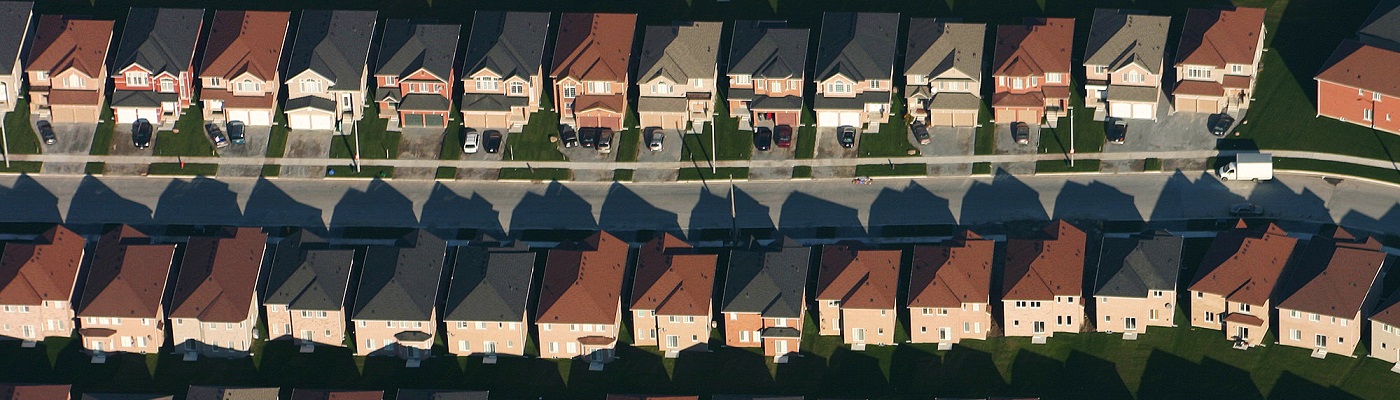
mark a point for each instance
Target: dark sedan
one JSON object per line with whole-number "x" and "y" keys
{"x": 493, "y": 141}
{"x": 46, "y": 132}
{"x": 142, "y": 133}
{"x": 763, "y": 139}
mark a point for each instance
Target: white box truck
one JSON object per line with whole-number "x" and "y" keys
{"x": 1249, "y": 167}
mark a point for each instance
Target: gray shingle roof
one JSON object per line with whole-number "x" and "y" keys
{"x": 319, "y": 103}
{"x": 859, "y": 46}
{"x": 1145, "y": 94}
{"x": 1131, "y": 266}
{"x": 1382, "y": 27}
{"x": 308, "y": 275}
{"x": 507, "y": 43}
{"x": 768, "y": 52}
{"x": 424, "y": 394}
{"x": 400, "y": 282}
{"x": 769, "y": 280}
{"x": 776, "y": 103}
{"x": 159, "y": 39}
{"x": 490, "y": 284}
{"x": 424, "y": 102}
{"x": 333, "y": 44}
{"x": 15, "y": 18}
{"x": 406, "y": 47}
{"x": 938, "y": 45}
{"x": 850, "y": 103}
{"x": 1119, "y": 37}
{"x": 140, "y": 98}
{"x": 955, "y": 101}
{"x": 491, "y": 102}
{"x": 230, "y": 393}
{"x": 680, "y": 52}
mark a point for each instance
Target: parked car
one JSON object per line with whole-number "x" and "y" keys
{"x": 1117, "y": 131}
{"x": 472, "y": 142}
{"x": 568, "y": 136}
{"x": 216, "y": 135}
{"x": 588, "y": 137}
{"x": 605, "y": 137}
{"x": 921, "y": 133}
{"x": 783, "y": 136}
{"x": 236, "y": 132}
{"x": 655, "y": 138}
{"x": 493, "y": 141}
{"x": 1021, "y": 132}
{"x": 1222, "y": 125}
{"x": 763, "y": 138}
{"x": 46, "y": 132}
{"x": 142, "y": 133}
{"x": 847, "y": 135}
{"x": 1246, "y": 210}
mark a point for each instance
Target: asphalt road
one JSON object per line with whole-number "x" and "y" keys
{"x": 685, "y": 205}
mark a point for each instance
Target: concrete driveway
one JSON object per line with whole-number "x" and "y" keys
{"x": 774, "y": 153}
{"x": 670, "y": 152}
{"x": 72, "y": 139}
{"x": 122, "y": 146}
{"x": 829, "y": 146}
{"x": 419, "y": 144}
{"x": 946, "y": 141}
{"x": 481, "y": 154}
{"x": 307, "y": 143}
{"x": 1006, "y": 144}
{"x": 255, "y": 146}
{"x": 592, "y": 155}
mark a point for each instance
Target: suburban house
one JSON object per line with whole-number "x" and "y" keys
{"x": 239, "y": 77}
{"x": 215, "y": 309}
{"x": 950, "y": 290}
{"x": 676, "y": 77}
{"x": 428, "y": 394}
{"x": 67, "y": 69}
{"x": 126, "y": 396}
{"x": 153, "y": 74}
{"x": 503, "y": 74}
{"x": 396, "y": 304}
{"x": 1382, "y": 27}
{"x": 943, "y": 71}
{"x": 856, "y": 294}
{"x": 37, "y": 285}
{"x": 767, "y": 72}
{"x": 1217, "y": 59}
{"x": 672, "y": 293}
{"x": 306, "y": 291}
{"x": 1123, "y": 63}
{"x": 1044, "y": 281}
{"x": 1136, "y": 282}
{"x": 765, "y": 297}
{"x": 1234, "y": 289}
{"x": 580, "y": 302}
{"x": 123, "y": 299}
{"x": 231, "y": 393}
{"x": 328, "y": 69}
{"x": 1385, "y": 330}
{"x": 313, "y": 394}
{"x": 1031, "y": 70}
{"x": 414, "y": 73}
{"x": 592, "y": 52}
{"x": 648, "y": 397}
{"x": 486, "y": 303}
{"x": 855, "y": 69}
{"x": 16, "y": 18}
{"x": 35, "y": 392}
{"x": 1337, "y": 278}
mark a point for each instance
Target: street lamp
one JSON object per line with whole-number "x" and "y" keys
{"x": 1071, "y": 136}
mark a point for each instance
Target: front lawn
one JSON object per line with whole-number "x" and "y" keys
{"x": 704, "y": 174}
{"x": 1333, "y": 167}
{"x": 1060, "y": 166}
{"x": 24, "y": 167}
{"x": 892, "y": 139}
{"x": 534, "y": 142}
{"x": 187, "y": 138}
{"x": 19, "y": 135}
{"x": 374, "y": 139}
{"x": 367, "y": 171}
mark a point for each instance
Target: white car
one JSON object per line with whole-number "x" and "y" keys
{"x": 472, "y": 143}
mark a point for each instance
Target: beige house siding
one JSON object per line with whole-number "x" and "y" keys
{"x": 36, "y": 322}
{"x": 375, "y": 336}
{"x": 1118, "y": 77}
{"x": 561, "y": 340}
{"x": 1110, "y": 312}
{"x": 1218, "y": 74}
{"x": 1385, "y": 342}
{"x": 1064, "y": 314}
{"x": 971, "y": 321}
{"x": 653, "y": 330}
{"x": 13, "y": 80}
{"x": 877, "y": 326}
{"x": 357, "y": 97}
{"x": 471, "y": 337}
{"x": 133, "y": 335}
{"x": 1341, "y": 335}
{"x": 283, "y": 324}
{"x": 1207, "y": 310}
{"x": 534, "y": 87}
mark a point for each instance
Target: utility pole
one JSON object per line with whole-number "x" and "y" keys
{"x": 355, "y": 131}
{"x": 1071, "y": 137}
{"x": 733, "y": 213}
{"x": 4, "y": 141}
{"x": 714, "y": 153}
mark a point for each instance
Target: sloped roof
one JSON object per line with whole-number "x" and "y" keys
{"x": 230, "y": 393}
{"x": 859, "y": 46}
{"x": 954, "y": 272}
{"x": 769, "y": 280}
{"x": 45, "y": 270}
{"x": 680, "y": 52}
{"x": 1038, "y": 46}
{"x": 649, "y": 397}
{"x": 334, "y": 44}
{"x": 428, "y": 394}
{"x": 245, "y": 42}
{"x": 128, "y": 275}
{"x": 1334, "y": 274}
{"x": 15, "y": 20}
{"x": 62, "y": 42}
{"x": 35, "y": 392}
{"x": 312, "y": 394}
{"x": 593, "y": 46}
{"x": 490, "y": 283}
{"x": 159, "y": 39}
{"x": 1123, "y": 37}
{"x": 511, "y": 44}
{"x": 860, "y": 278}
{"x": 1219, "y": 37}
{"x": 583, "y": 281}
{"x": 1045, "y": 267}
{"x": 126, "y": 396}
{"x": 937, "y": 45}
{"x": 140, "y": 98}
{"x": 491, "y": 102}
{"x": 400, "y": 282}
{"x": 763, "y": 51}
{"x": 1383, "y": 24}
{"x": 1133, "y": 266}
{"x": 1364, "y": 67}
{"x": 307, "y": 274}
{"x": 1244, "y": 264}
{"x": 672, "y": 279}
{"x": 406, "y": 47}
{"x": 219, "y": 275}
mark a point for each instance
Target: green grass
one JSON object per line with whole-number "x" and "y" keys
{"x": 628, "y": 141}
{"x": 802, "y": 171}
{"x": 368, "y": 171}
{"x": 892, "y": 139}
{"x": 452, "y": 136}
{"x": 1152, "y": 164}
{"x": 375, "y": 140}
{"x": 1089, "y": 136}
{"x": 1333, "y": 167}
{"x": 271, "y": 170}
{"x": 694, "y": 174}
{"x": 26, "y": 167}
{"x": 730, "y": 144}
{"x": 806, "y": 143}
{"x": 623, "y": 175}
{"x": 190, "y": 141}
{"x": 277, "y": 138}
{"x": 536, "y": 174}
{"x": 19, "y": 135}
{"x": 981, "y": 168}
{"x": 985, "y": 140}
{"x": 189, "y": 169}
{"x": 102, "y": 139}
{"x": 95, "y": 168}
{"x": 1058, "y": 166}
{"x": 892, "y": 170}
{"x": 533, "y": 143}
{"x": 446, "y": 173}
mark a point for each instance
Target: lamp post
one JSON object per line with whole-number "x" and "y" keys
{"x": 1071, "y": 137}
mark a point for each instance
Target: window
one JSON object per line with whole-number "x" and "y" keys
{"x": 688, "y": 320}
{"x": 1100, "y": 69}
{"x": 743, "y": 336}
{"x": 1344, "y": 322}
{"x": 1103, "y": 300}
{"x": 1200, "y": 294}
{"x": 369, "y": 344}
{"x": 5, "y": 95}
{"x": 488, "y": 83}
{"x": 781, "y": 322}
{"x": 739, "y": 79}
{"x": 601, "y": 328}
{"x": 42, "y": 75}
{"x": 1376, "y": 96}
{"x": 571, "y": 347}
{"x": 1038, "y": 327}
{"x": 927, "y": 311}
{"x": 144, "y": 322}
{"x": 1018, "y": 84}
{"x": 1313, "y": 317}
{"x": 1059, "y": 320}
{"x": 976, "y": 307}
{"x": 1107, "y": 318}
{"x": 1236, "y": 68}
{"x": 587, "y": 328}
{"x": 1198, "y": 72}
{"x": 661, "y": 88}
{"x": 775, "y": 86}
{"x": 544, "y": 327}
{"x": 838, "y": 87}
{"x": 1152, "y": 314}
{"x": 321, "y": 314}
{"x": 1367, "y": 114}
{"x": 74, "y": 81}
{"x": 388, "y": 80}
{"x": 1134, "y": 77}
{"x": 570, "y": 91}
{"x": 167, "y": 85}
{"x": 311, "y": 85}
{"x": 596, "y": 87}
{"x": 137, "y": 78}
{"x": 573, "y": 327}
{"x": 792, "y": 84}
{"x": 360, "y": 323}
{"x": 1293, "y": 313}
{"x": 1385, "y": 328}
{"x": 1035, "y": 80}
{"x": 1210, "y": 316}
{"x": 1157, "y": 293}
{"x": 1020, "y": 304}
{"x": 247, "y": 85}
{"x": 733, "y": 316}
{"x": 874, "y": 84}
{"x": 480, "y": 325}
{"x": 517, "y": 88}
{"x": 1069, "y": 320}
{"x": 942, "y": 311}
{"x": 697, "y": 83}
{"x": 967, "y": 327}
{"x": 1052, "y": 77}
{"x": 464, "y": 346}
{"x": 1244, "y": 308}
{"x": 553, "y": 347}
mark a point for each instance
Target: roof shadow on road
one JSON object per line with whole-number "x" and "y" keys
{"x": 1280, "y": 201}
{"x": 1355, "y": 219}
{"x": 711, "y": 211}
{"x": 749, "y": 213}
{"x": 624, "y": 210}
{"x": 1095, "y": 200}
{"x": 447, "y": 208}
{"x": 556, "y": 208}
{"x": 94, "y": 202}
{"x": 268, "y": 205}
{"x": 1183, "y": 198}
{"x": 831, "y": 220}
{"x": 29, "y": 201}
{"x": 914, "y": 205}
{"x": 1006, "y": 198}
{"x": 379, "y": 204}
{"x": 199, "y": 201}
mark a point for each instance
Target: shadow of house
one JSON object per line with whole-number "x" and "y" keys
{"x": 914, "y": 205}
{"x": 380, "y": 204}
{"x": 200, "y": 201}
{"x": 95, "y": 203}
{"x": 1292, "y": 386}
{"x": 556, "y": 208}
{"x": 1095, "y": 201}
{"x": 914, "y": 370}
{"x": 853, "y": 373}
{"x": 1358, "y": 220}
{"x": 1283, "y": 203}
{"x": 446, "y": 208}
{"x": 268, "y": 205}
{"x": 750, "y": 214}
{"x": 734, "y": 370}
{"x": 624, "y": 210}
{"x": 1303, "y": 48}
{"x": 1165, "y": 375}
{"x": 28, "y": 201}
{"x": 804, "y": 211}
{"x": 711, "y": 211}
{"x": 1171, "y": 203}
{"x": 1033, "y": 374}
{"x": 1006, "y": 198}
{"x": 1090, "y": 377}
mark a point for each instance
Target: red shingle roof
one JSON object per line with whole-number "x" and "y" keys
{"x": 1038, "y": 46}
{"x": 61, "y": 43}
{"x": 309, "y": 394}
{"x": 35, "y": 392}
{"x": 583, "y": 281}
{"x": 950, "y": 274}
{"x": 31, "y": 273}
{"x": 245, "y": 41}
{"x": 1219, "y": 37}
{"x": 128, "y": 276}
{"x": 594, "y": 46}
{"x": 859, "y": 278}
{"x": 1040, "y": 269}
{"x": 1244, "y": 264}
{"x": 1336, "y": 274}
{"x": 672, "y": 279}
{"x": 219, "y": 275}
{"x": 1363, "y": 67}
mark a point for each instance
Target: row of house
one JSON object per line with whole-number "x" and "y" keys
{"x": 64, "y": 392}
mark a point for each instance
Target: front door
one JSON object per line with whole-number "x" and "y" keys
{"x": 490, "y": 348}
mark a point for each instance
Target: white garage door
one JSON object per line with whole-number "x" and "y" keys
{"x": 1120, "y": 110}
{"x": 259, "y": 118}
{"x": 299, "y": 121}
{"x": 150, "y": 114}
{"x": 850, "y": 118}
{"x": 322, "y": 122}
{"x": 236, "y": 115}
{"x": 126, "y": 115}
{"x": 1143, "y": 111}
{"x": 828, "y": 118}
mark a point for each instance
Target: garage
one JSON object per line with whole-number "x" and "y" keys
{"x": 838, "y": 118}
{"x": 1028, "y": 116}
{"x": 236, "y": 115}
{"x": 1120, "y": 110}
{"x": 412, "y": 120}
{"x": 664, "y": 120}
{"x": 434, "y": 120}
{"x": 74, "y": 114}
{"x": 484, "y": 120}
{"x": 599, "y": 121}
{"x": 952, "y": 117}
{"x": 1191, "y": 104}
{"x": 1143, "y": 111}
{"x": 258, "y": 118}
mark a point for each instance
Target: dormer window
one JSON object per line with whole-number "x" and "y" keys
{"x": 74, "y": 81}
{"x": 391, "y": 80}
{"x": 661, "y": 88}
{"x": 874, "y": 84}
{"x": 489, "y": 83}
{"x": 838, "y": 87}
{"x": 1133, "y": 77}
{"x": 216, "y": 82}
{"x": 1237, "y": 68}
{"x": 739, "y": 79}
{"x": 248, "y": 85}
{"x": 597, "y": 87}
{"x": 697, "y": 83}
{"x": 1052, "y": 77}
{"x": 137, "y": 78}
{"x": 517, "y": 89}
{"x": 167, "y": 85}
{"x": 570, "y": 91}
{"x": 41, "y": 75}
{"x": 1100, "y": 69}
{"x": 1198, "y": 72}
{"x": 311, "y": 86}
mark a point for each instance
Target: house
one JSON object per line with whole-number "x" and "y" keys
{"x": 1217, "y": 59}
{"x": 239, "y": 76}
{"x": 16, "y": 19}
{"x": 396, "y": 304}
{"x": 767, "y": 73}
{"x": 1357, "y": 85}
{"x": 647, "y": 397}
{"x": 312, "y": 394}
{"x": 35, "y": 392}
{"x": 414, "y": 73}
{"x": 214, "y": 309}
{"x": 126, "y": 396}
{"x": 1136, "y": 282}
{"x": 306, "y": 291}
{"x": 67, "y": 69}
{"x": 1234, "y": 289}
{"x": 153, "y": 73}
{"x": 855, "y": 69}
{"x": 592, "y": 52}
{"x": 427, "y": 394}
{"x": 503, "y": 74}
{"x": 1123, "y": 63}
{"x": 231, "y": 393}
{"x": 1031, "y": 69}
{"x": 856, "y": 290}
{"x": 1382, "y": 27}
{"x": 950, "y": 290}
{"x": 38, "y": 283}
{"x": 676, "y": 79}
{"x": 486, "y": 303}
{"x": 580, "y": 302}
{"x": 765, "y": 297}
{"x": 672, "y": 294}
{"x": 328, "y": 69}
{"x": 1337, "y": 278}
{"x": 943, "y": 71}
{"x": 1044, "y": 280}
{"x": 123, "y": 307}
{"x": 1385, "y": 330}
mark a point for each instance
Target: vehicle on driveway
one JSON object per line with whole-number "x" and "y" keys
{"x": 605, "y": 137}
{"x": 216, "y": 135}
{"x": 46, "y": 132}
{"x": 655, "y": 138}
{"x": 142, "y": 133}
{"x": 588, "y": 137}
{"x": 846, "y": 134}
{"x": 493, "y": 141}
{"x": 921, "y": 133}
{"x": 1246, "y": 210}
{"x": 568, "y": 136}
{"x": 472, "y": 142}
{"x": 1222, "y": 125}
{"x": 762, "y": 138}
{"x": 1021, "y": 132}
{"x": 783, "y": 136}
{"x": 1117, "y": 131}
{"x": 236, "y": 132}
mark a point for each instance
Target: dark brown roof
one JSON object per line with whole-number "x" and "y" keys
{"x": 672, "y": 279}
{"x": 955, "y": 272}
{"x": 860, "y": 278}
{"x": 583, "y": 281}
{"x": 1038, "y": 46}
{"x": 1334, "y": 274}
{"x": 1244, "y": 264}
{"x": 1041, "y": 268}
{"x": 1363, "y": 67}
{"x": 1218, "y": 37}
{"x": 594, "y": 46}
{"x": 61, "y": 43}
{"x": 1241, "y": 318}
{"x": 311, "y": 394}
{"x": 45, "y": 270}
{"x": 128, "y": 275}
{"x": 266, "y": 101}
{"x": 245, "y": 41}
{"x": 74, "y": 97}
{"x": 35, "y": 392}
{"x": 219, "y": 276}
{"x": 1202, "y": 88}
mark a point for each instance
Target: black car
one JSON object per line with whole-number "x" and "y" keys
{"x": 1222, "y": 125}
{"x": 142, "y": 133}
{"x": 1021, "y": 132}
{"x": 1117, "y": 132}
{"x": 920, "y": 133}
{"x": 588, "y": 137}
{"x": 46, "y": 132}
{"x": 763, "y": 139}
{"x": 216, "y": 135}
{"x": 568, "y": 136}
{"x": 493, "y": 141}
{"x": 783, "y": 137}
{"x": 235, "y": 132}
{"x": 847, "y": 136}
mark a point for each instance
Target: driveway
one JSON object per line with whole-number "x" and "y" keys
{"x": 670, "y": 152}
{"x": 72, "y": 139}
{"x": 1006, "y": 144}
{"x": 829, "y": 146}
{"x": 481, "y": 154}
{"x": 122, "y": 146}
{"x": 946, "y": 141}
{"x": 419, "y": 144}
{"x": 256, "y": 146}
{"x": 1170, "y": 132}
{"x": 582, "y": 154}
{"x": 307, "y": 143}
